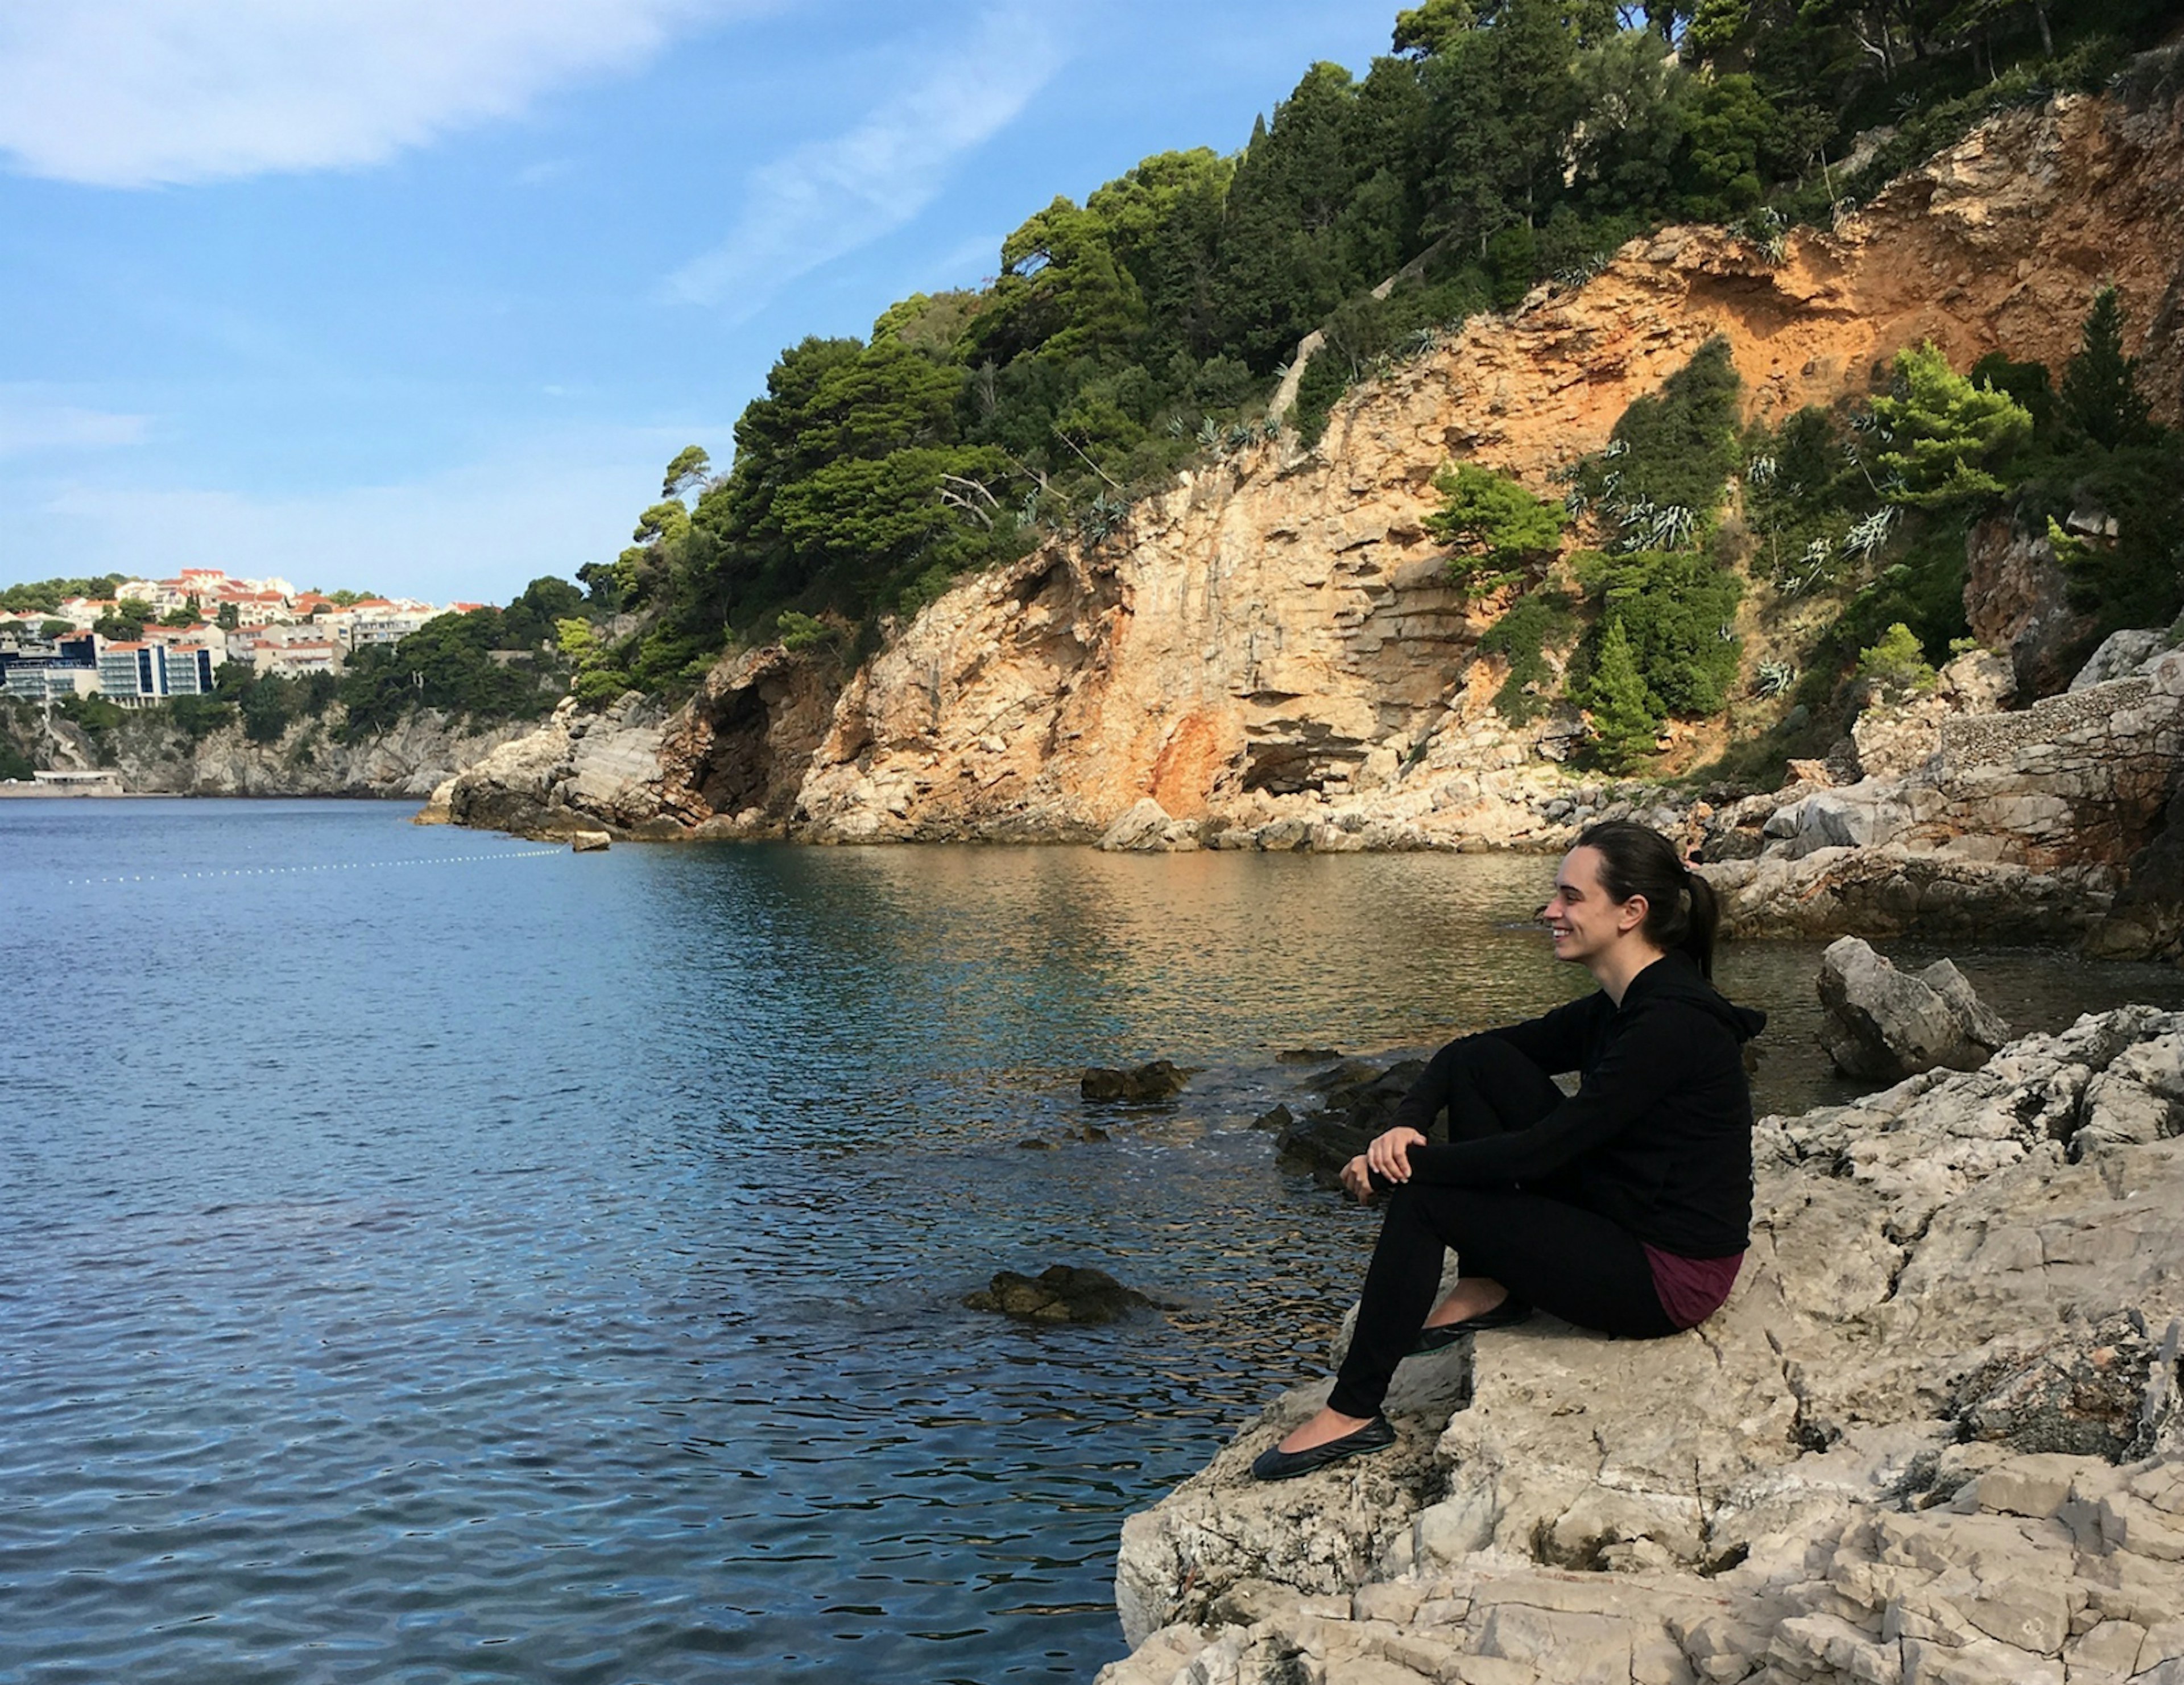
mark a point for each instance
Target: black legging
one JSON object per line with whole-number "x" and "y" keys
{"x": 1569, "y": 1262}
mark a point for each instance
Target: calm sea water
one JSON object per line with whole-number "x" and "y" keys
{"x": 430, "y": 1257}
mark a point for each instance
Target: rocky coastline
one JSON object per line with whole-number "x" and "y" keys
{"x": 148, "y": 755}
{"x": 1270, "y": 654}
{"x": 1934, "y": 1435}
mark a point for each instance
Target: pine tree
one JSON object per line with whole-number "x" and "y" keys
{"x": 2100, "y": 397}
{"x": 1944, "y": 434}
{"x": 1623, "y": 719}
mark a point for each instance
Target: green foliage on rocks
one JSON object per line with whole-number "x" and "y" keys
{"x": 1499, "y": 530}
{"x": 1944, "y": 440}
{"x": 1501, "y": 144}
{"x": 1526, "y": 630}
{"x": 1895, "y": 667}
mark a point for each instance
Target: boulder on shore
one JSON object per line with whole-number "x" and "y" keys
{"x": 1887, "y": 1025}
{"x": 1357, "y": 1101}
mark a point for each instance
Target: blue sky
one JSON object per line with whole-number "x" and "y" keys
{"x": 420, "y": 296}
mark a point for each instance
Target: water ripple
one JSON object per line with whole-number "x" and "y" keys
{"x": 553, "y": 1271}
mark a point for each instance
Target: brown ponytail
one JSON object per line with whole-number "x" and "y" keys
{"x": 1681, "y": 912}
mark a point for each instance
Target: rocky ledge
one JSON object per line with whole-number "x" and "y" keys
{"x": 1933, "y": 1437}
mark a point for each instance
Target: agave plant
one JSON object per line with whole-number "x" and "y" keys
{"x": 1239, "y": 435}
{"x": 1575, "y": 502}
{"x": 1808, "y": 572}
{"x": 1760, "y": 471}
{"x": 1765, "y": 230}
{"x": 1774, "y": 678}
{"x": 1420, "y": 341}
{"x": 1103, "y": 516}
{"x": 1209, "y": 433}
{"x": 1576, "y": 275}
{"x": 1027, "y": 511}
{"x": 1617, "y": 446}
{"x": 1176, "y": 426}
{"x": 1672, "y": 527}
{"x": 1865, "y": 539}
{"x": 1270, "y": 429}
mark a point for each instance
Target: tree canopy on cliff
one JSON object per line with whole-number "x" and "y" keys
{"x": 1500, "y": 143}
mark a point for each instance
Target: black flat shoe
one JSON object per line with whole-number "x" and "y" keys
{"x": 1279, "y": 1465}
{"x": 1508, "y": 1314}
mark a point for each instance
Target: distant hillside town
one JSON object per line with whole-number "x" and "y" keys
{"x": 154, "y": 640}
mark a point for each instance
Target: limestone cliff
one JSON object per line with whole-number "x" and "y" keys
{"x": 154, "y": 757}
{"x": 1269, "y": 652}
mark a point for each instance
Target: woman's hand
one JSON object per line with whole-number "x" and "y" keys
{"x": 1390, "y": 1154}
{"x": 1357, "y": 1180}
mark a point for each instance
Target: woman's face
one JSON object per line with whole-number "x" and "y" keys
{"x": 1581, "y": 916}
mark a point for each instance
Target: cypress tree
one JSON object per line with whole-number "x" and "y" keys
{"x": 2100, "y": 396}
{"x": 1623, "y": 719}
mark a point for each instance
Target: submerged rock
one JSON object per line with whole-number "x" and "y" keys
{"x": 1887, "y": 1024}
{"x": 1139, "y": 1085}
{"x": 1357, "y": 1101}
{"x": 1060, "y": 1292}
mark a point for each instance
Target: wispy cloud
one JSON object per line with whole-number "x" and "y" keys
{"x": 131, "y": 93}
{"x": 30, "y": 420}
{"x": 826, "y": 199}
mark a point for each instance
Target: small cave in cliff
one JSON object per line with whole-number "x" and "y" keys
{"x": 739, "y": 771}
{"x": 1311, "y": 761}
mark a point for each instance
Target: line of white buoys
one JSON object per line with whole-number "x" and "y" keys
{"x": 331, "y": 866}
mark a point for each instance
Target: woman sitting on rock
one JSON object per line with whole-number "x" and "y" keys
{"x": 1623, "y": 1208}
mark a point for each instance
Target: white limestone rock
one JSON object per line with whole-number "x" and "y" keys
{"x": 1887, "y": 1025}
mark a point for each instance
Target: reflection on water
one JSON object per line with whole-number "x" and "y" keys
{"x": 433, "y": 1259}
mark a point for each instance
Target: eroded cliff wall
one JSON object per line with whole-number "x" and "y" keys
{"x": 1270, "y": 649}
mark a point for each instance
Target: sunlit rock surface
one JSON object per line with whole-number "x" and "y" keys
{"x": 1934, "y": 1435}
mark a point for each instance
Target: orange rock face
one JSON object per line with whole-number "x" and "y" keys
{"x": 1275, "y": 637}
{"x": 1273, "y": 648}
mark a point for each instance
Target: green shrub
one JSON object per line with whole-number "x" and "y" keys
{"x": 1676, "y": 611}
{"x": 1626, "y": 725}
{"x": 2100, "y": 399}
{"x": 801, "y": 632}
{"x": 1522, "y": 635}
{"x": 1499, "y": 528}
{"x": 1895, "y": 667}
{"x": 1676, "y": 448}
{"x": 1942, "y": 437}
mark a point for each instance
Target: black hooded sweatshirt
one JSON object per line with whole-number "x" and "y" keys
{"x": 1658, "y": 1136}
